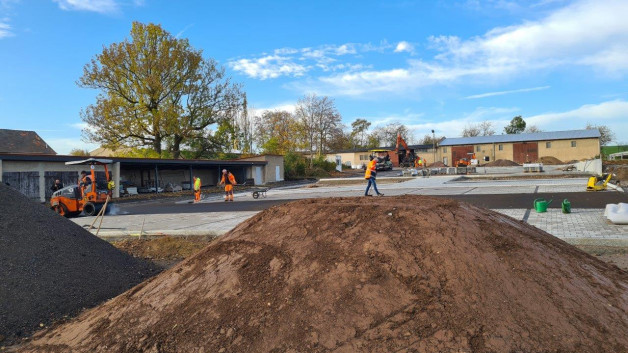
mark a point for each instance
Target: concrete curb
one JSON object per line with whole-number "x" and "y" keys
{"x": 114, "y": 235}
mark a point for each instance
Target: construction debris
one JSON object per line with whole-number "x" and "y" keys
{"x": 51, "y": 268}
{"x": 411, "y": 273}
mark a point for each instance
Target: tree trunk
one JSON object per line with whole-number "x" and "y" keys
{"x": 157, "y": 144}
{"x": 176, "y": 146}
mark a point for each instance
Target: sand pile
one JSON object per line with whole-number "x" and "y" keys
{"x": 51, "y": 268}
{"x": 549, "y": 160}
{"x": 409, "y": 273}
{"x": 501, "y": 163}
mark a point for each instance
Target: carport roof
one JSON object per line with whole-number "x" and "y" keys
{"x": 134, "y": 162}
{"x": 536, "y": 136}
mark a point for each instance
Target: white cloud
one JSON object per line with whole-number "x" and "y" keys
{"x": 404, "y": 46}
{"x": 271, "y": 66}
{"x": 289, "y": 107}
{"x": 590, "y": 33}
{"x": 5, "y": 29}
{"x": 606, "y": 113}
{"x": 501, "y": 93}
{"x": 296, "y": 62}
{"x": 100, "y": 6}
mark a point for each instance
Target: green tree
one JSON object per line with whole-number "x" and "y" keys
{"x": 282, "y": 128}
{"x": 154, "y": 88}
{"x": 517, "y": 125}
{"x": 359, "y": 132}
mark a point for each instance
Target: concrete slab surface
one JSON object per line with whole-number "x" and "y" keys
{"x": 511, "y": 197}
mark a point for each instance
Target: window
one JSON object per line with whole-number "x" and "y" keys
{"x": 445, "y": 151}
{"x": 364, "y": 157}
{"x": 501, "y": 147}
{"x": 573, "y": 143}
{"x": 548, "y": 145}
{"x": 477, "y": 148}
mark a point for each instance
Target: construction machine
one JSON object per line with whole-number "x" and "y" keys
{"x": 406, "y": 156}
{"x": 383, "y": 159}
{"x": 88, "y": 196}
{"x": 597, "y": 183}
{"x": 466, "y": 162}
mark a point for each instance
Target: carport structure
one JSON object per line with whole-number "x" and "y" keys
{"x": 33, "y": 174}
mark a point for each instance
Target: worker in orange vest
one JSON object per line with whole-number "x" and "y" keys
{"x": 229, "y": 180}
{"x": 370, "y": 175}
{"x": 197, "y": 189}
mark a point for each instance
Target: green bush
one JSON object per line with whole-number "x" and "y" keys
{"x": 322, "y": 163}
{"x": 294, "y": 166}
{"x": 297, "y": 166}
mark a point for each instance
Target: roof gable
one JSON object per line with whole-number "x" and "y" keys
{"x": 19, "y": 141}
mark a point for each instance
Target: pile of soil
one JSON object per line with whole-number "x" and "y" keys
{"x": 408, "y": 273}
{"x": 549, "y": 160}
{"x": 501, "y": 163}
{"x": 51, "y": 268}
{"x": 163, "y": 247}
{"x": 437, "y": 164}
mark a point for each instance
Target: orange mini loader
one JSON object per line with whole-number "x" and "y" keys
{"x": 83, "y": 197}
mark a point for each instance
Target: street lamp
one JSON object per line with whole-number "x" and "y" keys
{"x": 434, "y": 145}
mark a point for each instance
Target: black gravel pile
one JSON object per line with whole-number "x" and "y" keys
{"x": 51, "y": 268}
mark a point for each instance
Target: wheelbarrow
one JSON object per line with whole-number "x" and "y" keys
{"x": 259, "y": 192}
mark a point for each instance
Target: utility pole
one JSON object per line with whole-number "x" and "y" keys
{"x": 434, "y": 145}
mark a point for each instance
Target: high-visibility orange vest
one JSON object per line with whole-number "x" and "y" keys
{"x": 372, "y": 166}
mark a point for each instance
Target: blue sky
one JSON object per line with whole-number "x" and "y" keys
{"x": 427, "y": 64}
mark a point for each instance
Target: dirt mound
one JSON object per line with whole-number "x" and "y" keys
{"x": 437, "y": 164}
{"x": 51, "y": 268}
{"x": 549, "y": 160}
{"x": 409, "y": 273}
{"x": 501, "y": 163}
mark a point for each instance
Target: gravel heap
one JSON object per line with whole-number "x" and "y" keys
{"x": 391, "y": 274}
{"x": 52, "y": 268}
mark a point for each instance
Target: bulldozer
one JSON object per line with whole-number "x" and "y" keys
{"x": 87, "y": 198}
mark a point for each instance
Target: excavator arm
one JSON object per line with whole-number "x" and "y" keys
{"x": 401, "y": 141}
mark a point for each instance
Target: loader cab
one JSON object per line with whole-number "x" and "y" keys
{"x": 383, "y": 159}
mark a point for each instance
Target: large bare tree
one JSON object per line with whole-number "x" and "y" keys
{"x": 319, "y": 118}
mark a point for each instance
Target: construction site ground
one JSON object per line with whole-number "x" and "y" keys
{"x": 513, "y": 197}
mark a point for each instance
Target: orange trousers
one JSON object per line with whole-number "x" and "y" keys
{"x": 197, "y": 195}
{"x": 229, "y": 192}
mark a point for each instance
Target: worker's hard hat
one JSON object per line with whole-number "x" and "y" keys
{"x": 224, "y": 170}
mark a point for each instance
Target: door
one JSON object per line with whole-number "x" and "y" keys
{"x": 525, "y": 152}
{"x": 278, "y": 173}
{"x": 25, "y": 182}
{"x": 460, "y": 152}
{"x": 445, "y": 161}
{"x": 258, "y": 176}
